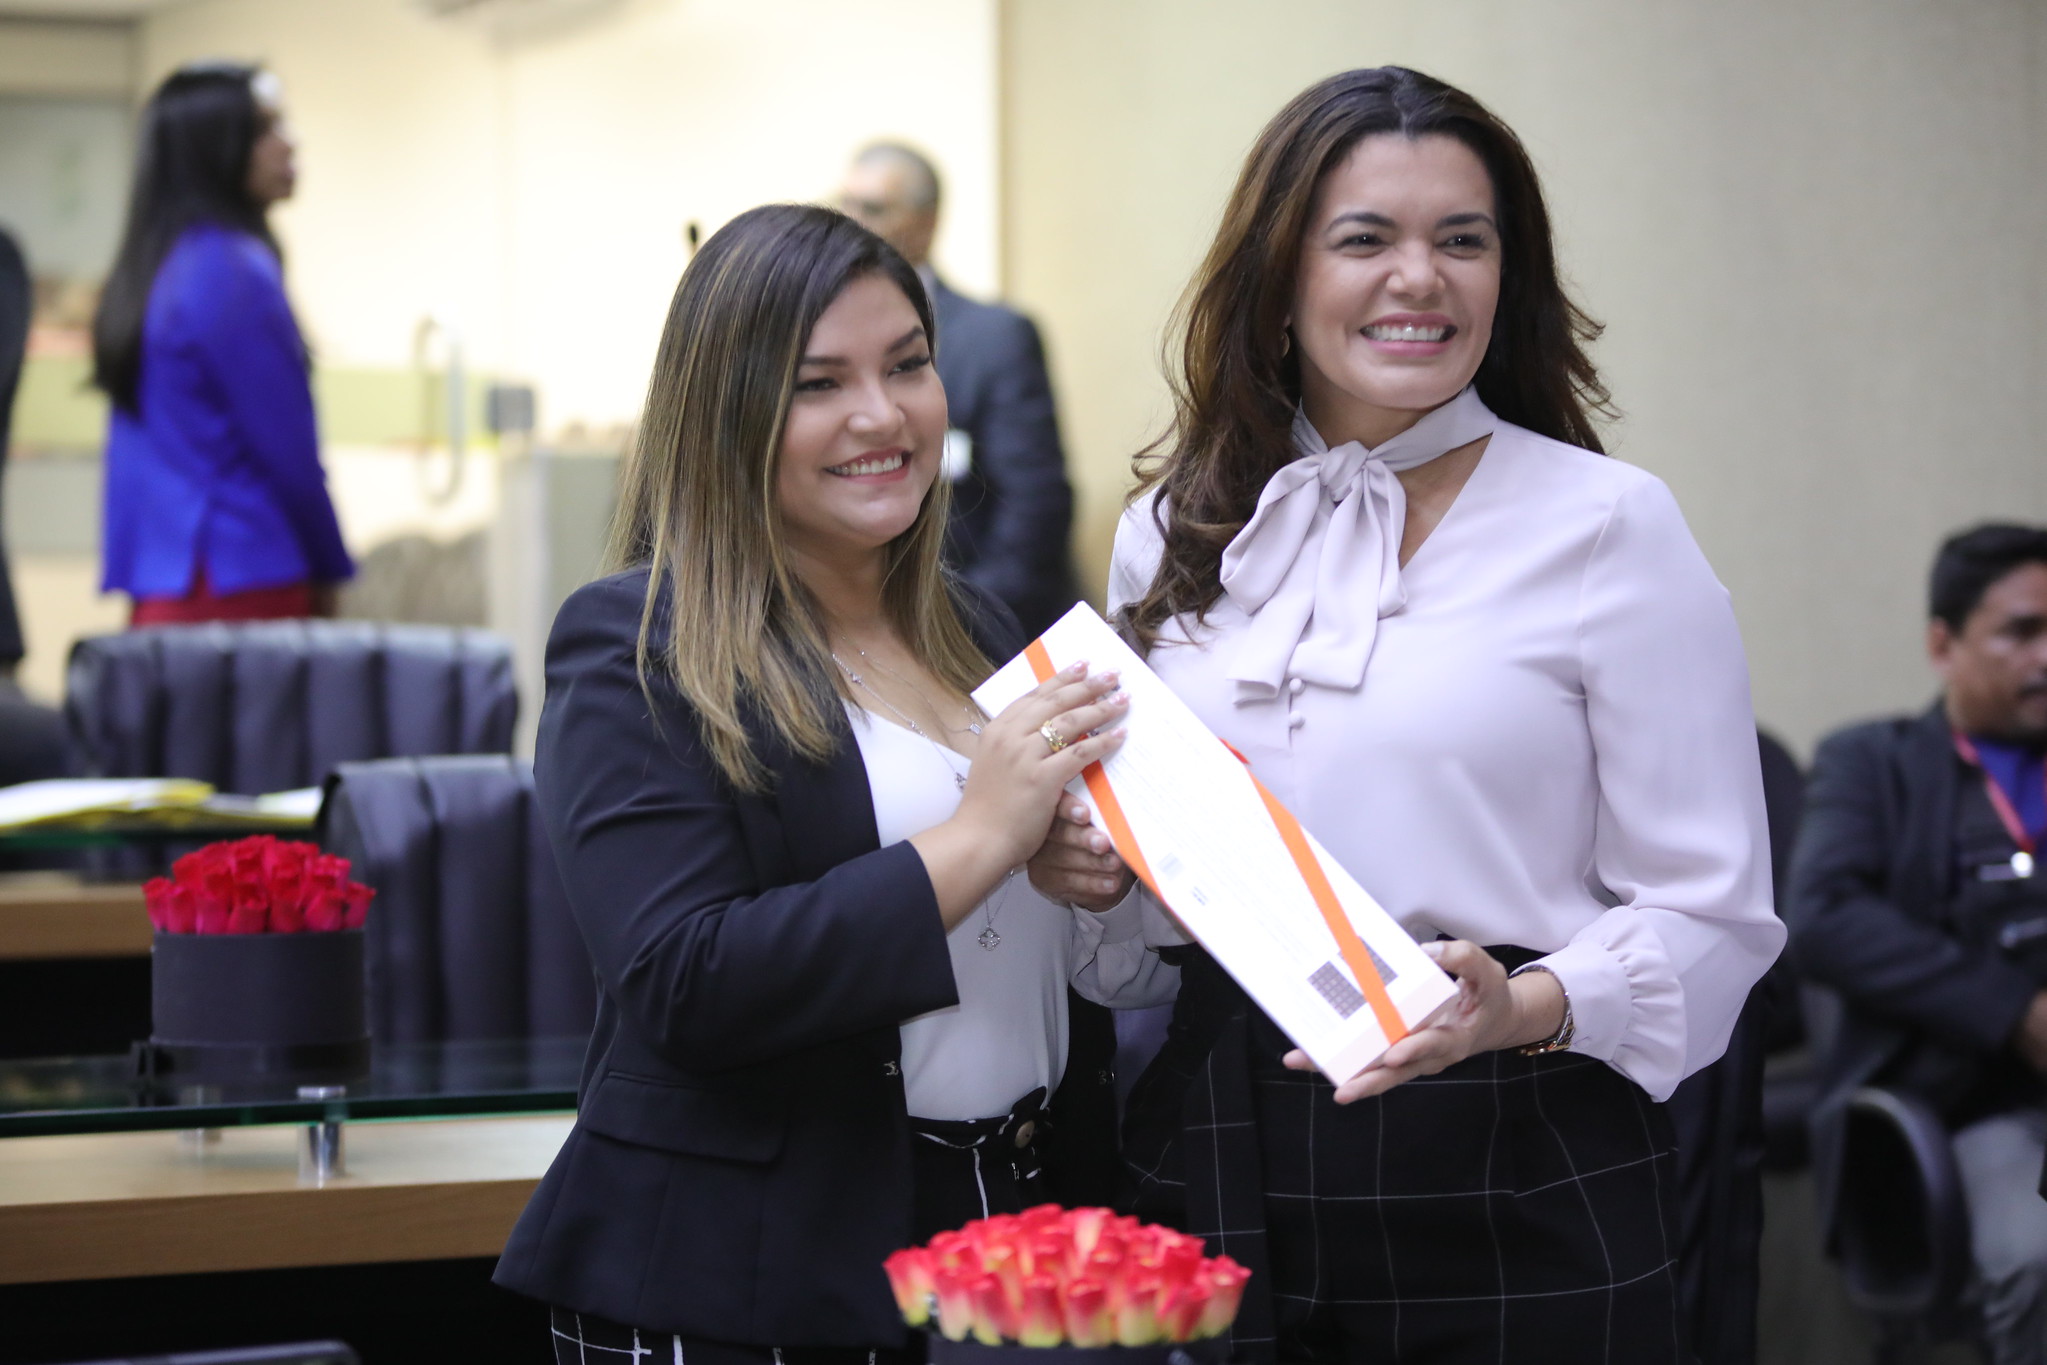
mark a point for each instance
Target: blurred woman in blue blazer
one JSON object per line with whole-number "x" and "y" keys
{"x": 216, "y": 502}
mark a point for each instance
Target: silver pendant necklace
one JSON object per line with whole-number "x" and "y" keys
{"x": 959, "y": 778}
{"x": 973, "y": 726}
{"x": 988, "y": 938}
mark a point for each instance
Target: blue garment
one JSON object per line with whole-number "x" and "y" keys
{"x": 221, "y": 469}
{"x": 2022, "y": 773}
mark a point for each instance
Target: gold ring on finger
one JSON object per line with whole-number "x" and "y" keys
{"x": 1053, "y": 739}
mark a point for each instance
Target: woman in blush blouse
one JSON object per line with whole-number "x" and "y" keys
{"x": 828, "y": 1013}
{"x": 216, "y": 502}
{"x": 1381, "y": 554}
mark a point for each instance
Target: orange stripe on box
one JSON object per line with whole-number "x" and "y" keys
{"x": 1290, "y": 833}
{"x": 1099, "y": 788}
{"x": 1353, "y": 948}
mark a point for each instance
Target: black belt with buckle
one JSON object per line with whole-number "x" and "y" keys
{"x": 1016, "y": 1138}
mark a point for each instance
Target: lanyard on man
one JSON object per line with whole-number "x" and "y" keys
{"x": 2022, "y": 861}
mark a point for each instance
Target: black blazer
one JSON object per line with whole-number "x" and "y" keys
{"x": 1012, "y": 514}
{"x": 1870, "y": 884}
{"x": 740, "y": 1163}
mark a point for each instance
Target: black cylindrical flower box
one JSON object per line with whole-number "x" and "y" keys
{"x": 237, "y": 1009}
{"x": 941, "y": 1351}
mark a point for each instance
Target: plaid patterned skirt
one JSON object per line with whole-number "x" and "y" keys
{"x": 1509, "y": 1209}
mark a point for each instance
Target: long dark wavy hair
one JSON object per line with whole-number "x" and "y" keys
{"x": 743, "y": 636}
{"x": 1234, "y": 387}
{"x": 191, "y": 167}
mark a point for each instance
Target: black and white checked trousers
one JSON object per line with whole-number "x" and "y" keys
{"x": 1511, "y": 1209}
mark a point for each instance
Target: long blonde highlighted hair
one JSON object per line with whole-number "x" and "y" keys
{"x": 746, "y": 642}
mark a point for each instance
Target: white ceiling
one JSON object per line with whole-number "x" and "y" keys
{"x": 80, "y": 9}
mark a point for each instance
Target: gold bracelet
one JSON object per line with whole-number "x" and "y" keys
{"x": 1560, "y": 1041}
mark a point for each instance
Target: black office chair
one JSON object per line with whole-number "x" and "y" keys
{"x": 271, "y": 705}
{"x": 470, "y": 935}
{"x": 1902, "y": 1226}
{"x": 1722, "y": 1137}
{"x": 1790, "y": 1078}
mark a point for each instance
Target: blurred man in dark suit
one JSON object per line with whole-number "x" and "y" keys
{"x": 1012, "y": 508}
{"x": 17, "y": 302}
{"x": 1916, "y": 893}
{"x": 31, "y": 736}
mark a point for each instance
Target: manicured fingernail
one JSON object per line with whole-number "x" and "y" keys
{"x": 1076, "y": 669}
{"x": 1120, "y": 699}
{"x": 1078, "y": 812}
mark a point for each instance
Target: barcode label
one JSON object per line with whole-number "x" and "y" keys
{"x": 1170, "y": 869}
{"x": 1341, "y": 995}
{"x": 1331, "y": 984}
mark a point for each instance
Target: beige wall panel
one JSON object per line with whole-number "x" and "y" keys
{"x": 1813, "y": 231}
{"x": 400, "y": 160}
{"x": 533, "y": 187}
{"x": 65, "y": 58}
{"x": 700, "y": 110}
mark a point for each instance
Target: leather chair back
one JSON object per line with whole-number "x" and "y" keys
{"x": 1903, "y": 1228}
{"x": 470, "y": 935}
{"x": 1722, "y": 1139}
{"x": 271, "y": 705}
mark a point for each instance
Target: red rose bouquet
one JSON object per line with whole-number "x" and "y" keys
{"x": 1066, "y": 1277}
{"x": 256, "y": 886}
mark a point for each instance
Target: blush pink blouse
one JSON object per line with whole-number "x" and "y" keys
{"x": 1549, "y": 742}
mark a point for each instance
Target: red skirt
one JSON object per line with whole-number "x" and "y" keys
{"x": 203, "y": 604}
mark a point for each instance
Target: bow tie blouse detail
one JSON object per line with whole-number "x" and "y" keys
{"x": 1318, "y": 563}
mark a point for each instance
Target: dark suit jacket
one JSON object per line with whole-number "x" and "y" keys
{"x": 1870, "y": 885}
{"x": 16, "y": 306}
{"x": 740, "y": 1164}
{"x": 1012, "y": 515}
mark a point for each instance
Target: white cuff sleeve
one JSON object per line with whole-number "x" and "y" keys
{"x": 1114, "y": 959}
{"x": 1627, "y": 1005}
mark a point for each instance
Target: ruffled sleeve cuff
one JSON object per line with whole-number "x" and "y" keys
{"x": 1627, "y": 1007}
{"x": 1161, "y": 930}
{"x": 1115, "y": 957}
{"x": 1120, "y": 923}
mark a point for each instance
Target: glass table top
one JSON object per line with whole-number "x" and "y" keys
{"x": 50, "y": 1095}
{"x": 117, "y": 833}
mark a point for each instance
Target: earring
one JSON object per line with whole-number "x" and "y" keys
{"x": 1286, "y": 341}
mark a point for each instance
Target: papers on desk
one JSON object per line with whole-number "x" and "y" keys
{"x": 129, "y": 802}
{"x": 1298, "y": 933}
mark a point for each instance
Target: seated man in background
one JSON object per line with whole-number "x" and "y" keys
{"x": 1915, "y": 894}
{"x": 1012, "y": 509}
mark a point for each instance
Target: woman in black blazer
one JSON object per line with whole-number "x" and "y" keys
{"x": 797, "y": 894}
